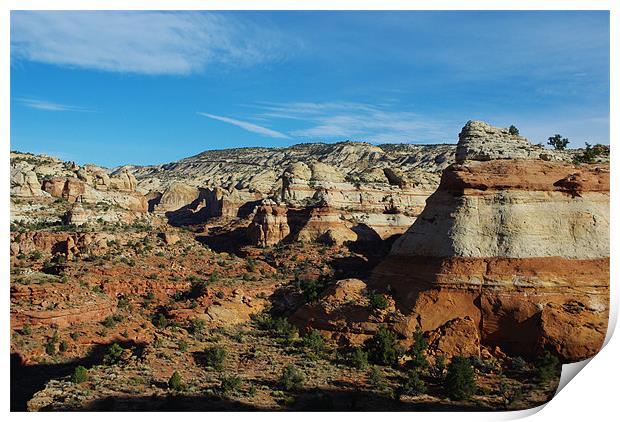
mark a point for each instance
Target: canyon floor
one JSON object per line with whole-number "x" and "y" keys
{"x": 148, "y": 297}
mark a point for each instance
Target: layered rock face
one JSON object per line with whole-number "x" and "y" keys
{"x": 325, "y": 225}
{"x": 383, "y": 188}
{"x": 269, "y": 226}
{"x": 519, "y": 247}
{"x": 38, "y": 181}
{"x": 177, "y": 196}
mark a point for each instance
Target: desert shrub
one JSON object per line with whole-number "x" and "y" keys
{"x": 26, "y": 330}
{"x": 547, "y": 368}
{"x": 230, "y": 384}
{"x": 376, "y": 378}
{"x": 182, "y": 345}
{"x": 63, "y": 346}
{"x": 377, "y": 300}
{"x": 590, "y": 153}
{"x": 215, "y": 357}
{"x": 80, "y": 375}
{"x": 359, "y": 358}
{"x": 197, "y": 289}
{"x": 50, "y": 347}
{"x": 418, "y": 351}
{"x": 251, "y": 264}
{"x": 111, "y": 321}
{"x": 160, "y": 321}
{"x": 517, "y": 363}
{"x": 311, "y": 289}
{"x": 314, "y": 342}
{"x": 175, "y": 382}
{"x": 291, "y": 379}
{"x": 460, "y": 381}
{"x": 440, "y": 367}
{"x": 197, "y": 326}
{"x": 513, "y": 130}
{"x": 382, "y": 347}
{"x": 123, "y": 304}
{"x": 213, "y": 277}
{"x": 278, "y": 327}
{"x": 148, "y": 299}
{"x": 113, "y": 354}
{"x": 412, "y": 385}
{"x": 557, "y": 142}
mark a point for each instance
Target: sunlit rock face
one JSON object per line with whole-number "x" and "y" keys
{"x": 514, "y": 243}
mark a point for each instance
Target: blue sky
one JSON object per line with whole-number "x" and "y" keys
{"x": 126, "y": 87}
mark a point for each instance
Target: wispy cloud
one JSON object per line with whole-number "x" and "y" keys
{"x": 250, "y": 127}
{"x": 142, "y": 42}
{"x": 359, "y": 121}
{"x": 50, "y": 106}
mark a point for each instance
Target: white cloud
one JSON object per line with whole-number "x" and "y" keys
{"x": 250, "y": 127}
{"x": 49, "y": 106}
{"x": 141, "y": 42}
{"x": 357, "y": 121}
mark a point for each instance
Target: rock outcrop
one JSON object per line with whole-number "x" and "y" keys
{"x": 25, "y": 184}
{"x": 122, "y": 179}
{"x": 480, "y": 141}
{"x": 269, "y": 226}
{"x": 177, "y": 196}
{"x": 77, "y": 215}
{"x": 519, "y": 247}
{"x": 325, "y": 225}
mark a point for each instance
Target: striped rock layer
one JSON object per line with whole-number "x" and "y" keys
{"x": 517, "y": 248}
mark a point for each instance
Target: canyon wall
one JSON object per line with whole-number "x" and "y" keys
{"x": 515, "y": 248}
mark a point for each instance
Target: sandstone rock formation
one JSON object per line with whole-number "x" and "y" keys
{"x": 518, "y": 247}
{"x": 123, "y": 179}
{"x": 480, "y": 141}
{"x": 68, "y": 244}
{"x": 177, "y": 196}
{"x": 269, "y": 226}
{"x": 325, "y": 225}
{"x": 77, "y": 215}
{"x": 342, "y": 313}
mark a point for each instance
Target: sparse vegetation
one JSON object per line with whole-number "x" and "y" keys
{"x": 460, "y": 383}
{"x": 80, "y": 375}
{"x": 113, "y": 354}
{"x": 557, "y": 142}
{"x": 377, "y": 301}
{"x": 547, "y": 367}
{"x": 314, "y": 342}
{"x": 175, "y": 382}
{"x": 418, "y": 351}
{"x": 359, "y": 358}
{"x": 230, "y": 385}
{"x": 291, "y": 379}
{"x": 413, "y": 385}
{"x": 591, "y": 153}
{"x": 382, "y": 347}
{"x": 215, "y": 357}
